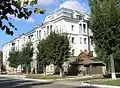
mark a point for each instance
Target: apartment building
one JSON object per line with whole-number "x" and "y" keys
{"x": 63, "y": 20}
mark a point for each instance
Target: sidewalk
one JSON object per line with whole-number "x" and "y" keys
{"x": 100, "y": 86}
{"x": 81, "y": 84}
{"x": 13, "y": 76}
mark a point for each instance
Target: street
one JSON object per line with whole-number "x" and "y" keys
{"x": 11, "y": 82}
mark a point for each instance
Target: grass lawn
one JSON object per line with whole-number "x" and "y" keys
{"x": 112, "y": 82}
{"x": 106, "y": 82}
{"x": 42, "y": 77}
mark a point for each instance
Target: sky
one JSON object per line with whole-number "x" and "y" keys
{"x": 50, "y": 6}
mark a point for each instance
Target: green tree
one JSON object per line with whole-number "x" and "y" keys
{"x": 26, "y": 55}
{"x": 17, "y": 8}
{"x": 42, "y": 54}
{"x": 105, "y": 25}
{"x": 58, "y": 49}
{"x": 1, "y": 54}
{"x": 14, "y": 59}
{"x": 1, "y": 58}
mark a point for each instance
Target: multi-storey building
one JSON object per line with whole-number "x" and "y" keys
{"x": 64, "y": 20}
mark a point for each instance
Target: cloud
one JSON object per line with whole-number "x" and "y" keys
{"x": 78, "y": 5}
{"x": 48, "y": 5}
{"x": 46, "y": 2}
{"x": 30, "y": 20}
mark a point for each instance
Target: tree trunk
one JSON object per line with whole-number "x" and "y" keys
{"x": 113, "y": 75}
{"x": 13, "y": 70}
{"x": 21, "y": 69}
{"x": 44, "y": 71}
{"x": 27, "y": 70}
{"x": 61, "y": 71}
{"x": 35, "y": 66}
{"x": 16, "y": 70}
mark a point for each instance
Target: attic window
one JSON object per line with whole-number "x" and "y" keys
{"x": 71, "y": 15}
{"x": 84, "y": 28}
{"x": 79, "y": 17}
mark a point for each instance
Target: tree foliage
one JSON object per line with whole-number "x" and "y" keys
{"x": 105, "y": 25}
{"x": 58, "y": 49}
{"x": 42, "y": 54}
{"x": 1, "y": 54}
{"x": 14, "y": 59}
{"x": 27, "y": 54}
{"x": 54, "y": 50}
{"x": 1, "y": 58}
{"x": 17, "y": 8}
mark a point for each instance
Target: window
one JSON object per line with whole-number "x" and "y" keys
{"x": 16, "y": 48}
{"x": 12, "y": 44}
{"x": 13, "y": 48}
{"x": 73, "y": 39}
{"x": 80, "y": 40}
{"x": 80, "y": 51}
{"x": 80, "y": 28}
{"x": 85, "y": 41}
{"x": 47, "y": 29}
{"x": 44, "y": 33}
{"x": 50, "y": 27}
{"x": 29, "y": 37}
{"x": 79, "y": 17}
{"x": 72, "y": 27}
{"x": 73, "y": 52}
{"x": 71, "y": 15}
{"x": 84, "y": 28}
{"x": 39, "y": 33}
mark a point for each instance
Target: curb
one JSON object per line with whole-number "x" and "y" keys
{"x": 100, "y": 86}
{"x": 39, "y": 80}
{"x": 14, "y": 76}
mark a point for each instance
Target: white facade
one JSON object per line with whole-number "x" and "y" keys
{"x": 63, "y": 20}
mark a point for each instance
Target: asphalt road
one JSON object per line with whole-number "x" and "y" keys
{"x": 10, "y": 82}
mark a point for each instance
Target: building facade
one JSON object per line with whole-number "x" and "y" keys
{"x": 64, "y": 20}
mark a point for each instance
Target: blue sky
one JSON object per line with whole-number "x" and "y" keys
{"x": 24, "y": 26}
